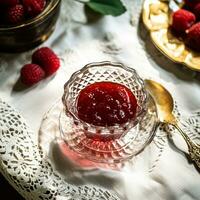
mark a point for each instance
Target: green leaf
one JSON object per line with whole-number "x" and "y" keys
{"x": 107, "y": 7}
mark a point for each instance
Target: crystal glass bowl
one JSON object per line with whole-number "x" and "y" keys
{"x": 30, "y": 33}
{"x": 109, "y": 145}
{"x": 98, "y": 72}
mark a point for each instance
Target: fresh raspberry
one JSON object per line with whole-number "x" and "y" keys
{"x": 47, "y": 59}
{"x": 15, "y": 14}
{"x": 31, "y": 74}
{"x": 193, "y": 37}
{"x": 9, "y": 3}
{"x": 34, "y": 7}
{"x": 182, "y": 20}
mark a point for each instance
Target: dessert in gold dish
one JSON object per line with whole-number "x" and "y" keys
{"x": 157, "y": 19}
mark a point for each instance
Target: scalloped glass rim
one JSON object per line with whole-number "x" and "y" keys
{"x": 158, "y": 33}
{"x": 99, "y": 64}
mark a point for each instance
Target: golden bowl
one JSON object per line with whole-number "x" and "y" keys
{"x": 31, "y": 33}
{"x": 156, "y": 17}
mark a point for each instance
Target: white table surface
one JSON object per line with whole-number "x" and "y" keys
{"x": 80, "y": 43}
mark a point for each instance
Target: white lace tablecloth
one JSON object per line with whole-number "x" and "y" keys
{"x": 161, "y": 172}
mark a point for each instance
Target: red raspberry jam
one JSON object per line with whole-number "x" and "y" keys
{"x": 106, "y": 104}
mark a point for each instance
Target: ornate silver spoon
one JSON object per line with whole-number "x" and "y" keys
{"x": 164, "y": 103}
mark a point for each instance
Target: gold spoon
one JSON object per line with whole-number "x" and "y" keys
{"x": 164, "y": 103}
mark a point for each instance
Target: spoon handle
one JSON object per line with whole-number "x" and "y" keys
{"x": 194, "y": 149}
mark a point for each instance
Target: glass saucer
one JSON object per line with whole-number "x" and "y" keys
{"x": 112, "y": 151}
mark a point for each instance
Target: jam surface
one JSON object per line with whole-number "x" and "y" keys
{"x": 106, "y": 104}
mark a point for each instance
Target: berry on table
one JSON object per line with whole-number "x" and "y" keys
{"x": 44, "y": 62}
{"x": 47, "y": 59}
{"x": 31, "y": 74}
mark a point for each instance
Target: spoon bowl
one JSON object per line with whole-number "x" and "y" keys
{"x": 163, "y": 99}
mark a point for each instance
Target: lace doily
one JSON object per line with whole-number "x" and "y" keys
{"x": 27, "y": 169}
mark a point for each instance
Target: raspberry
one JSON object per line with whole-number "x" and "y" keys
{"x": 9, "y": 3}
{"x": 47, "y": 59}
{"x": 182, "y": 20}
{"x": 31, "y": 74}
{"x": 34, "y": 7}
{"x": 15, "y": 14}
{"x": 193, "y": 37}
